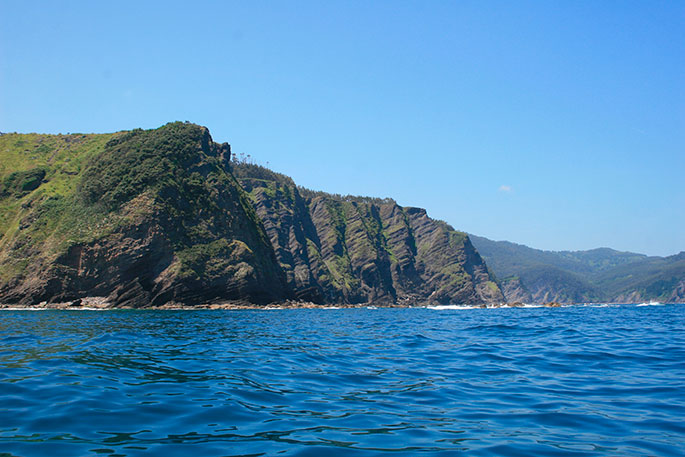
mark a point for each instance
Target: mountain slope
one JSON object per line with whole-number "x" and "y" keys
{"x": 583, "y": 276}
{"x": 653, "y": 278}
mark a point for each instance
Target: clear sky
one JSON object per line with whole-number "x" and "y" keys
{"x": 560, "y": 125}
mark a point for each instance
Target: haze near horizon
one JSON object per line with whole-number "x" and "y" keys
{"x": 554, "y": 125}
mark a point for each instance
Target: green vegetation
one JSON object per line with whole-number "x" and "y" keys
{"x": 311, "y": 194}
{"x": 584, "y": 276}
{"x": 213, "y": 259}
{"x": 137, "y": 161}
{"x": 20, "y": 183}
{"x": 151, "y": 216}
{"x": 652, "y": 277}
{"x": 167, "y": 190}
{"x": 37, "y": 204}
{"x": 81, "y": 181}
{"x": 361, "y": 248}
{"x": 252, "y": 172}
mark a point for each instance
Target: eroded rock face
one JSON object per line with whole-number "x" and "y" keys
{"x": 514, "y": 291}
{"x": 678, "y": 295}
{"x": 358, "y": 250}
{"x": 155, "y": 217}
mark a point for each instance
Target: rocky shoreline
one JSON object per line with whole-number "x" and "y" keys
{"x": 102, "y": 303}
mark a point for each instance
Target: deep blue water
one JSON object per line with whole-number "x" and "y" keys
{"x": 569, "y": 381}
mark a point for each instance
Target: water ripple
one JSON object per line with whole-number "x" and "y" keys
{"x": 572, "y": 381}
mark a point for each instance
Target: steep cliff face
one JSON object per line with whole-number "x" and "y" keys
{"x": 356, "y": 250}
{"x": 678, "y": 293}
{"x": 141, "y": 217}
{"x": 151, "y": 217}
{"x": 515, "y": 292}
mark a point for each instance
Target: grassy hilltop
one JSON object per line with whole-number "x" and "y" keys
{"x": 152, "y": 217}
{"x": 146, "y": 216}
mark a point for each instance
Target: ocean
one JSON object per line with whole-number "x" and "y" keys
{"x": 577, "y": 381}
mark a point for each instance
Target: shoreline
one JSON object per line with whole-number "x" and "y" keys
{"x": 102, "y": 304}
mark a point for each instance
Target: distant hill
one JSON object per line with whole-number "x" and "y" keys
{"x": 603, "y": 274}
{"x": 661, "y": 278}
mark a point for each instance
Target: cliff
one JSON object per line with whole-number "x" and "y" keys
{"x": 357, "y": 249}
{"x": 153, "y": 217}
{"x": 141, "y": 218}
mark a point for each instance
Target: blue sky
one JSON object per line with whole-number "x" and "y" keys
{"x": 560, "y": 125}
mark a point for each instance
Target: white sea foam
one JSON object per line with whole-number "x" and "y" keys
{"x": 15, "y": 308}
{"x": 441, "y": 307}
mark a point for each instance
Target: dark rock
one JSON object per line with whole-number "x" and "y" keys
{"x": 184, "y": 232}
{"x": 357, "y": 250}
{"x": 157, "y": 217}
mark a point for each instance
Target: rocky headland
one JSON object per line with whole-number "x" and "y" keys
{"x": 164, "y": 218}
{"x": 168, "y": 218}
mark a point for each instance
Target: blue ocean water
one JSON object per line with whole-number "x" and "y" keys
{"x": 576, "y": 381}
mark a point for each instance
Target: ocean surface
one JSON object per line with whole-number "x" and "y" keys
{"x": 578, "y": 381}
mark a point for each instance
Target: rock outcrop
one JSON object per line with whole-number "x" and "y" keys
{"x": 146, "y": 218}
{"x": 157, "y": 217}
{"x": 165, "y": 216}
{"x": 358, "y": 249}
{"x": 514, "y": 291}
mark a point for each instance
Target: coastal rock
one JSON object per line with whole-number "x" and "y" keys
{"x": 678, "y": 294}
{"x": 361, "y": 250}
{"x": 152, "y": 217}
{"x": 158, "y": 218}
{"x": 514, "y": 291}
